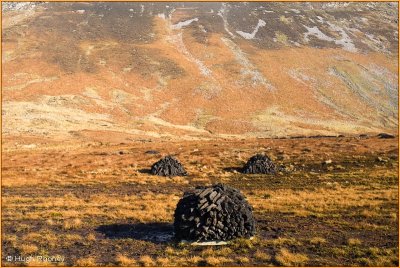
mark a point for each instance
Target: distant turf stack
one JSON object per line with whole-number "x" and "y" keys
{"x": 385, "y": 136}
{"x": 216, "y": 213}
{"x": 259, "y": 164}
{"x": 168, "y": 166}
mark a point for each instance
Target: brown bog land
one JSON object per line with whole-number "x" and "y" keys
{"x": 94, "y": 204}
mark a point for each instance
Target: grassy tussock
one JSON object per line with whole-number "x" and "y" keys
{"x": 146, "y": 261}
{"x": 27, "y": 249}
{"x": 287, "y": 258}
{"x": 88, "y": 261}
{"x": 70, "y": 224}
{"x": 122, "y": 260}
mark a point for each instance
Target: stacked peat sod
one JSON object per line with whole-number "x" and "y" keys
{"x": 259, "y": 164}
{"x": 385, "y": 136}
{"x": 216, "y": 213}
{"x": 168, "y": 166}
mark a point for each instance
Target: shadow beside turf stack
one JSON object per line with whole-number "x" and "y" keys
{"x": 216, "y": 213}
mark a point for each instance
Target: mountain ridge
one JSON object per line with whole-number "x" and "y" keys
{"x": 199, "y": 70}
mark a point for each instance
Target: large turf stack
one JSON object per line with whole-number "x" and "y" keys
{"x": 213, "y": 213}
{"x": 168, "y": 166}
{"x": 259, "y": 164}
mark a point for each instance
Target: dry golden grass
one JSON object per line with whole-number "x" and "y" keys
{"x": 242, "y": 260}
{"x": 149, "y": 207}
{"x": 169, "y": 251}
{"x": 225, "y": 251}
{"x": 207, "y": 252}
{"x": 215, "y": 261}
{"x": 72, "y": 237}
{"x": 122, "y": 260}
{"x": 12, "y": 239}
{"x": 45, "y": 238}
{"x": 72, "y": 224}
{"x": 369, "y": 213}
{"x": 354, "y": 242}
{"x": 146, "y": 261}
{"x": 286, "y": 258}
{"x": 243, "y": 243}
{"x": 50, "y": 222}
{"x": 79, "y": 215}
{"x": 262, "y": 256}
{"x": 91, "y": 237}
{"x": 33, "y": 237}
{"x": 338, "y": 251}
{"x": 38, "y": 263}
{"x": 162, "y": 261}
{"x": 176, "y": 252}
{"x": 88, "y": 261}
{"x": 69, "y": 240}
{"x": 379, "y": 261}
{"x": 179, "y": 180}
{"x": 322, "y": 200}
{"x": 317, "y": 240}
{"x": 283, "y": 241}
{"x": 27, "y": 249}
{"x": 194, "y": 260}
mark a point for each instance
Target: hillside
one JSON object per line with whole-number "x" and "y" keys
{"x": 123, "y": 71}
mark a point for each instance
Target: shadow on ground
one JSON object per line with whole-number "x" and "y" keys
{"x": 234, "y": 169}
{"x": 159, "y": 232}
{"x": 145, "y": 171}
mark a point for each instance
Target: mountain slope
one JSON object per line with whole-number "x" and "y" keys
{"x": 199, "y": 70}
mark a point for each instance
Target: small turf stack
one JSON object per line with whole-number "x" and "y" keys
{"x": 259, "y": 164}
{"x": 385, "y": 136}
{"x": 168, "y": 166}
{"x": 213, "y": 213}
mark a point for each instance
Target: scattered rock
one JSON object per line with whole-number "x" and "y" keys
{"x": 168, "y": 166}
{"x": 340, "y": 167}
{"x": 259, "y": 164}
{"x": 17, "y": 6}
{"x": 282, "y": 168}
{"x": 213, "y": 213}
{"x": 385, "y": 136}
{"x": 290, "y": 168}
{"x": 380, "y": 159}
{"x": 326, "y": 162}
{"x": 29, "y": 146}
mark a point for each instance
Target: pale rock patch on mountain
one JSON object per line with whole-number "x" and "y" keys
{"x": 248, "y": 69}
